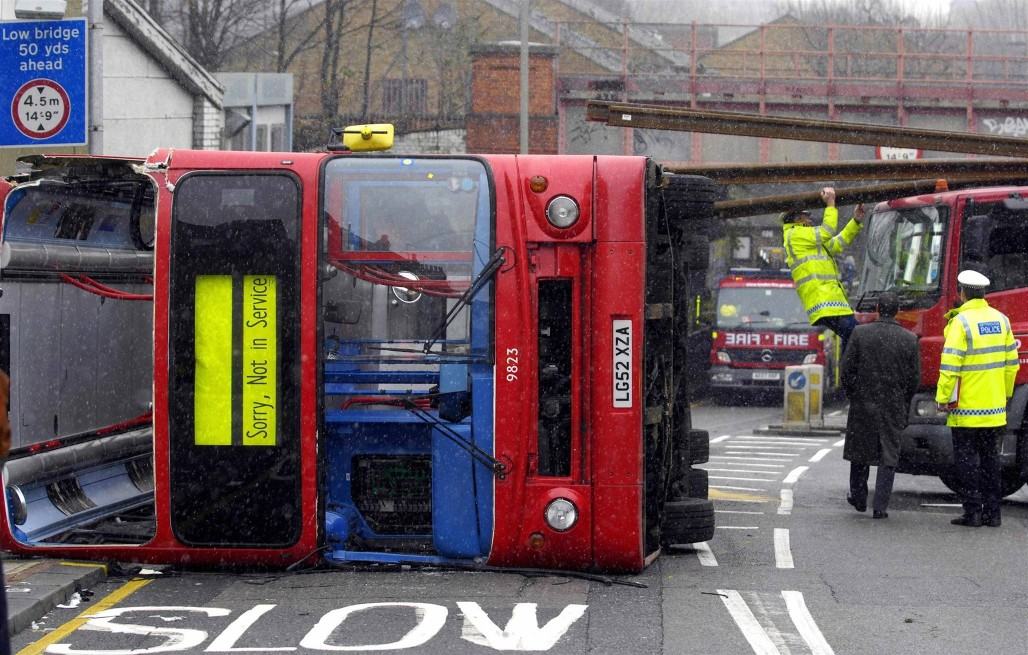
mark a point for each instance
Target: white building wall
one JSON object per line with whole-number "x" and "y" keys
{"x": 143, "y": 107}
{"x": 208, "y": 124}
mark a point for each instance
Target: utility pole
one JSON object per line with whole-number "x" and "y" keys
{"x": 524, "y": 75}
{"x": 95, "y": 20}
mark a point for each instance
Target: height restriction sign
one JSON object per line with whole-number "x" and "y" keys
{"x": 44, "y": 83}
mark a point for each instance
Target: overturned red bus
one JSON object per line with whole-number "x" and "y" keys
{"x": 355, "y": 357}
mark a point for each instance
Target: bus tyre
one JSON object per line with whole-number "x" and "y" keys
{"x": 699, "y": 485}
{"x": 1010, "y": 481}
{"x": 689, "y": 197}
{"x": 696, "y": 251}
{"x": 699, "y": 447}
{"x": 687, "y": 521}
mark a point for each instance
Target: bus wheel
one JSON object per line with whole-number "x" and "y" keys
{"x": 699, "y": 485}
{"x": 699, "y": 447}
{"x": 687, "y": 521}
{"x": 689, "y": 197}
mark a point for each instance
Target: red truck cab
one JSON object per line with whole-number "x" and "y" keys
{"x": 760, "y": 329}
{"x": 916, "y": 246}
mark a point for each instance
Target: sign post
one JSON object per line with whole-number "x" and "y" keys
{"x": 43, "y": 85}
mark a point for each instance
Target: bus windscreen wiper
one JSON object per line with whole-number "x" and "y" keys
{"x": 491, "y": 266}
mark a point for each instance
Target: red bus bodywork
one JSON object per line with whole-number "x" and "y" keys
{"x": 603, "y": 260}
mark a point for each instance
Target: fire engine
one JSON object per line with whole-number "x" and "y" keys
{"x": 229, "y": 358}
{"x": 760, "y": 329}
{"x": 915, "y": 247}
{"x": 927, "y": 230}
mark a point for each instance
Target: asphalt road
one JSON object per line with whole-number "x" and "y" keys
{"x": 792, "y": 569}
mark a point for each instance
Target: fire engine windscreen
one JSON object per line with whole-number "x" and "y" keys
{"x": 904, "y": 253}
{"x": 760, "y": 308}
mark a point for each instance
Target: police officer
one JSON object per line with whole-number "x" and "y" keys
{"x": 809, "y": 252}
{"x": 976, "y": 377}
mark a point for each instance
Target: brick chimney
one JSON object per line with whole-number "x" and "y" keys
{"x": 493, "y": 124}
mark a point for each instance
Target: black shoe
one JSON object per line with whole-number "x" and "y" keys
{"x": 880, "y": 515}
{"x": 969, "y": 520}
{"x": 860, "y": 507}
{"x": 992, "y": 521}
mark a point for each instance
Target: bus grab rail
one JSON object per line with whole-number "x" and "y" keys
{"x": 35, "y": 256}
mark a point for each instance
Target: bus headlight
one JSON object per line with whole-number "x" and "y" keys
{"x": 562, "y": 212}
{"x": 926, "y": 408}
{"x": 561, "y": 514}
{"x": 810, "y": 359}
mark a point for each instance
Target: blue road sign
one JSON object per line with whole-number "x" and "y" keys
{"x": 797, "y": 380}
{"x": 43, "y": 84}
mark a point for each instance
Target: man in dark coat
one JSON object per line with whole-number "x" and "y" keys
{"x": 880, "y": 373}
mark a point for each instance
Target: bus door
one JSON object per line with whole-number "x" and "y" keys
{"x": 232, "y": 378}
{"x": 407, "y": 364}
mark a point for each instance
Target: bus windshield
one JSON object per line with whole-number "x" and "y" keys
{"x": 406, "y": 239}
{"x": 760, "y": 308}
{"x": 904, "y": 252}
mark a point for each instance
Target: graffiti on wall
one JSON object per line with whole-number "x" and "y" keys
{"x": 1009, "y": 126}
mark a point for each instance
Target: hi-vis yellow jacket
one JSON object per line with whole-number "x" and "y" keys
{"x": 809, "y": 252}
{"x": 978, "y": 367}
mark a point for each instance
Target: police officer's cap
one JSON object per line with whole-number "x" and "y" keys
{"x": 792, "y": 216}
{"x": 972, "y": 279}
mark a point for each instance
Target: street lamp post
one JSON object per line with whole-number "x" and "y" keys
{"x": 524, "y": 75}
{"x": 95, "y": 19}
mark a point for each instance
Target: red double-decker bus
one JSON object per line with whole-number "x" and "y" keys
{"x": 470, "y": 360}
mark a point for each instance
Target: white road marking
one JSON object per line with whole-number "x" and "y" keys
{"x": 743, "y": 471}
{"x": 734, "y": 511}
{"x": 722, "y": 486}
{"x": 728, "y": 477}
{"x": 840, "y": 442}
{"x": 837, "y": 412}
{"x": 783, "y": 555}
{"x": 819, "y": 455}
{"x": 785, "y": 504}
{"x": 941, "y": 505}
{"x": 736, "y": 527}
{"x": 804, "y": 441}
{"x": 721, "y": 438}
{"x": 724, "y": 500}
{"x": 759, "y": 459}
{"x": 705, "y": 555}
{"x": 805, "y": 624}
{"x": 759, "y": 641}
{"x": 761, "y": 452}
{"x": 795, "y": 474}
{"x": 764, "y": 446}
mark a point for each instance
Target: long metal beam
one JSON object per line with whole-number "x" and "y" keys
{"x": 853, "y": 195}
{"x": 801, "y": 129}
{"x": 840, "y": 171}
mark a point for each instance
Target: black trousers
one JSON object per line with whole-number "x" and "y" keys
{"x": 883, "y": 485}
{"x": 840, "y": 325}
{"x": 976, "y": 455}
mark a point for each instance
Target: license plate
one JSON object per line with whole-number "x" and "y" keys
{"x": 622, "y": 363}
{"x": 767, "y": 375}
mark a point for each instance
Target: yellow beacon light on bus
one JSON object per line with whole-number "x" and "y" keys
{"x": 363, "y": 138}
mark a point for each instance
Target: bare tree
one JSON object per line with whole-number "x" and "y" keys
{"x": 156, "y": 10}
{"x": 872, "y": 38}
{"x": 293, "y": 34}
{"x": 366, "y": 99}
{"x": 211, "y": 29}
{"x": 336, "y": 16}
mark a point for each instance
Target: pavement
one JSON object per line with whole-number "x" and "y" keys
{"x": 36, "y": 586}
